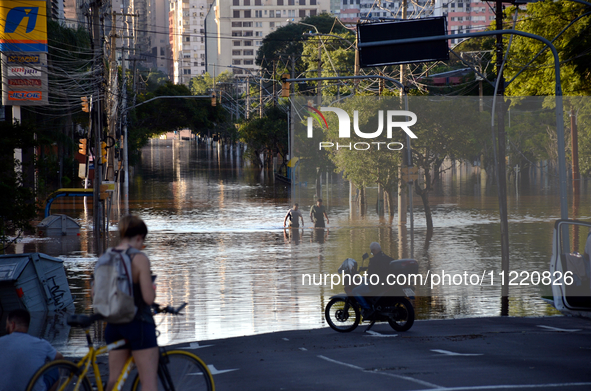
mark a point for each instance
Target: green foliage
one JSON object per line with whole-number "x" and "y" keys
{"x": 548, "y": 19}
{"x": 169, "y": 114}
{"x": 337, "y": 57}
{"x": 287, "y": 40}
{"x": 202, "y": 84}
{"x": 267, "y": 134}
{"x": 17, "y": 201}
{"x": 156, "y": 79}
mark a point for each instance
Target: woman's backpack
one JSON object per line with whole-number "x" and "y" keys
{"x": 113, "y": 286}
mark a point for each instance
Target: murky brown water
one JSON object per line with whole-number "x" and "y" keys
{"x": 216, "y": 242}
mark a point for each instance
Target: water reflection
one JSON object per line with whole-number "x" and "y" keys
{"x": 216, "y": 241}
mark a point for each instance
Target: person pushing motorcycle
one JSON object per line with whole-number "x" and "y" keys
{"x": 378, "y": 265}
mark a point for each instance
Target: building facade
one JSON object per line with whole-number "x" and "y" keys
{"x": 187, "y": 39}
{"x": 236, "y": 29}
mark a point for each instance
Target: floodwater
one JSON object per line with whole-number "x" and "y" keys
{"x": 216, "y": 242}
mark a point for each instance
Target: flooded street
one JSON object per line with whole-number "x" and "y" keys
{"x": 216, "y": 242}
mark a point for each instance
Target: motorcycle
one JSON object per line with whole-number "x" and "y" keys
{"x": 343, "y": 312}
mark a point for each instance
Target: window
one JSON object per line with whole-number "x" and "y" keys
{"x": 291, "y": 13}
{"x": 257, "y": 2}
{"x": 187, "y": 39}
{"x": 186, "y": 71}
{"x": 237, "y": 14}
{"x": 247, "y": 34}
{"x": 236, "y": 62}
{"x": 258, "y": 33}
{"x": 266, "y": 12}
{"x": 247, "y": 43}
{"x": 195, "y": 64}
{"x": 203, "y": 64}
{"x": 302, "y": 2}
{"x": 312, "y": 12}
{"x": 162, "y": 51}
{"x": 236, "y": 2}
{"x": 290, "y": 2}
{"x": 234, "y": 24}
{"x": 237, "y": 33}
{"x": 278, "y": 13}
{"x": 248, "y": 62}
{"x": 236, "y": 43}
{"x": 279, "y": 2}
{"x": 272, "y": 24}
{"x": 258, "y": 43}
{"x": 236, "y": 52}
{"x": 313, "y": 2}
{"x": 248, "y": 52}
{"x": 247, "y": 14}
{"x": 247, "y": 24}
{"x": 246, "y": 2}
{"x": 258, "y": 14}
{"x": 302, "y": 13}
{"x": 258, "y": 24}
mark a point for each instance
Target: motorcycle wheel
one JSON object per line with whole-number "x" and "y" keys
{"x": 407, "y": 315}
{"x": 339, "y": 319}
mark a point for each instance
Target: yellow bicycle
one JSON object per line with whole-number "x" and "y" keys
{"x": 178, "y": 370}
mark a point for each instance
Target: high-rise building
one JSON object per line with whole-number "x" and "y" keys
{"x": 236, "y": 28}
{"x": 158, "y": 34}
{"x": 465, "y": 16}
{"x": 187, "y": 39}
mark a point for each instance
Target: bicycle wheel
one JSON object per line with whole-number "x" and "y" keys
{"x": 185, "y": 370}
{"x": 59, "y": 375}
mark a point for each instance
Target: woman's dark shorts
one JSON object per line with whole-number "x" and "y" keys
{"x": 139, "y": 334}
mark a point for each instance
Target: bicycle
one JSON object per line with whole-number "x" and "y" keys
{"x": 178, "y": 370}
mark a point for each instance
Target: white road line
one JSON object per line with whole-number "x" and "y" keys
{"x": 194, "y": 345}
{"x": 511, "y": 386}
{"x": 215, "y": 371}
{"x": 408, "y": 378}
{"x": 285, "y": 339}
{"x": 376, "y": 334}
{"x": 303, "y": 349}
{"x": 447, "y": 352}
{"x": 557, "y": 329}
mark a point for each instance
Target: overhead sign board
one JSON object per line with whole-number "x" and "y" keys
{"x": 24, "y": 79}
{"x": 23, "y": 26}
{"x": 393, "y": 54}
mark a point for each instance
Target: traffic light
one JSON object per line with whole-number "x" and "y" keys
{"x": 285, "y": 85}
{"x": 85, "y": 104}
{"x": 103, "y": 152}
{"x": 82, "y": 146}
{"x": 213, "y": 99}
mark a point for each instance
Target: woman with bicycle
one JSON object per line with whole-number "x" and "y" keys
{"x": 140, "y": 333}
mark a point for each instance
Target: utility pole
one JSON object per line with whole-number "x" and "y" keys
{"x": 292, "y": 116}
{"x": 97, "y": 209}
{"x": 401, "y": 188}
{"x": 247, "y": 106}
{"x": 261, "y": 96}
{"x": 319, "y": 71}
{"x": 501, "y": 148}
{"x": 273, "y": 79}
{"x": 113, "y": 104}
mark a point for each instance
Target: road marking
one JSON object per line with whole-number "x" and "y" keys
{"x": 215, "y": 371}
{"x": 303, "y": 349}
{"x": 511, "y": 386}
{"x": 411, "y": 379}
{"x": 194, "y": 345}
{"x": 447, "y": 352}
{"x": 557, "y": 329}
{"x": 376, "y": 334}
{"x": 285, "y": 339}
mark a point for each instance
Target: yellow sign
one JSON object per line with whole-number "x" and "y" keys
{"x": 23, "y": 26}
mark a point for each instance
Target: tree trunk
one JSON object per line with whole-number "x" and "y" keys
{"x": 389, "y": 196}
{"x": 362, "y": 201}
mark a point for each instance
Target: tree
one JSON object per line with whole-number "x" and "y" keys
{"x": 548, "y": 19}
{"x": 267, "y": 134}
{"x": 17, "y": 201}
{"x": 443, "y": 136}
{"x": 202, "y": 84}
{"x": 287, "y": 40}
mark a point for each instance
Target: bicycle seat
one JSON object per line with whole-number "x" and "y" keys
{"x": 84, "y": 321}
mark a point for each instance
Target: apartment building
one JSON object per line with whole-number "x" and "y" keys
{"x": 236, "y": 29}
{"x": 353, "y": 10}
{"x": 187, "y": 39}
{"x": 465, "y": 16}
